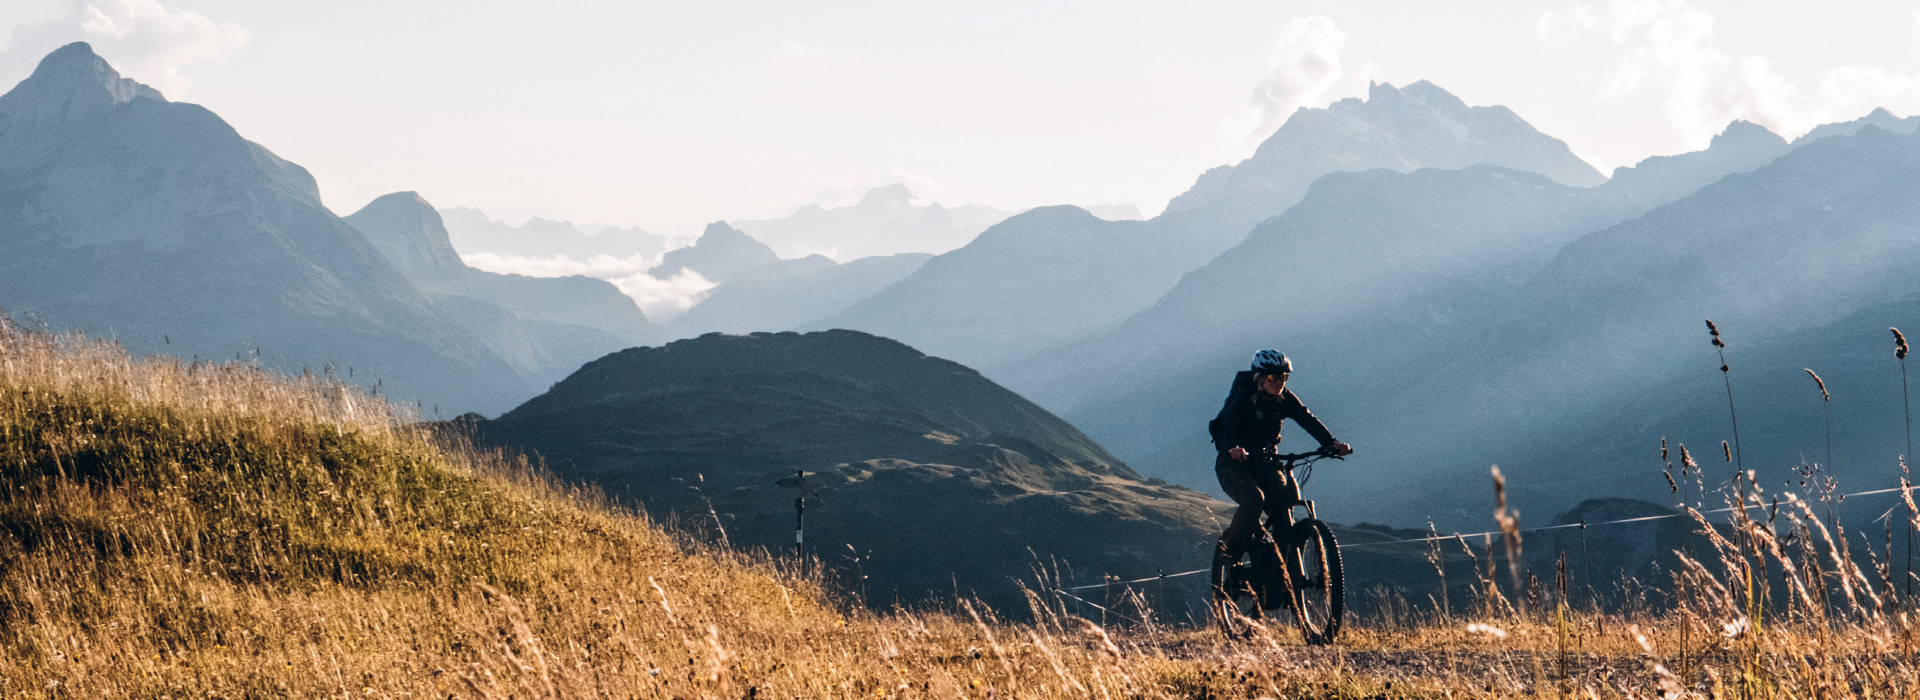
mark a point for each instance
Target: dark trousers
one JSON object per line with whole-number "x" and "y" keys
{"x": 1257, "y": 487}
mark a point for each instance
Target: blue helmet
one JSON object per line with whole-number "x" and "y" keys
{"x": 1271, "y": 362}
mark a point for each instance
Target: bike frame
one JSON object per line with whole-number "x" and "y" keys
{"x": 1287, "y": 463}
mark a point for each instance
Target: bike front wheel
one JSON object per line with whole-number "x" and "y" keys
{"x": 1318, "y": 598}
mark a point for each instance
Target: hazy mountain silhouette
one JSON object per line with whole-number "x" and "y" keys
{"x": 471, "y": 231}
{"x": 885, "y": 221}
{"x": 762, "y": 302}
{"x": 720, "y": 254}
{"x": 1802, "y": 243}
{"x": 1419, "y": 126}
{"x": 122, "y": 213}
{"x": 1057, "y": 274}
{"x": 551, "y": 324}
{"x": 1360, "y": 282}
{"x": 1879, "y": 117}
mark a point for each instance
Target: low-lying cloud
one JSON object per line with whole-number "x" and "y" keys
{"x": 601, "y": 266}
{"x": 144, "y": 39}
{"x": 1302, "y": 64}
{"x": 663, "y": 300}
{"x": 1668, "y": 46}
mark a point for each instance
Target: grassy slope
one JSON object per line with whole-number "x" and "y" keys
{"x": 213, "y": 531}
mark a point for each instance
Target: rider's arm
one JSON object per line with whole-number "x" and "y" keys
{"x": 1304, "y": 418}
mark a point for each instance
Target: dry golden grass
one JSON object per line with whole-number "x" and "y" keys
{"x": 216, "y": 531}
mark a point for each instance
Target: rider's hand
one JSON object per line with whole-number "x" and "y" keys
{"x": 1238, "y": 453}
{"x": 1340, "y": 449}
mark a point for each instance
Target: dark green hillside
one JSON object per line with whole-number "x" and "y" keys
{"x": 934, "y": 475}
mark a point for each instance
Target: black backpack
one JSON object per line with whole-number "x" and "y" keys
{"x": 1242, "y": 386}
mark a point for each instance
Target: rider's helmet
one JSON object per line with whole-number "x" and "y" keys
{"x": 1271, "y": 362}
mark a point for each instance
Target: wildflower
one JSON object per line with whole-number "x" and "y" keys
{"x": 1735, "y": 629}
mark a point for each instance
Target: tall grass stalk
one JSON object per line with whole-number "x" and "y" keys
{"x": 1721, "y": 348}
{"x": 1826, "y": 406}
{"x": 1906, "y": 405}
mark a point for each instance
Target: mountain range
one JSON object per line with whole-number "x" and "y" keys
{"x": 125, "y": 214}
{"x": 886, "y": 221}
{"x": 1361, "y": 282}
{"x": 473, "y": 232}
{"x": 975, "y": 304}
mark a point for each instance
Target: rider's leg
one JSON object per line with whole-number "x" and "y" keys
{"x": 1239, "y": 484}
{"x": 1278, "y": 492}
{"x": 1282, "y": 493}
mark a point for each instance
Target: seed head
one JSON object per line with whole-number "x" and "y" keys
{"x": 1823, "y": 385}
{"x": 1686, "y": 458}
{"x": 1724, "y": 447}
{"x": 1899, "y": 344}
{"x": 1663, "y": 449}
{"x": 1715, "y": 331}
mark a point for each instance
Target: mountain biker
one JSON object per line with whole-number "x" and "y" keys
{"x": 1248, "y": 425}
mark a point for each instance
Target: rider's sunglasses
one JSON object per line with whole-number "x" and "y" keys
{"x": 1274, "y": 378}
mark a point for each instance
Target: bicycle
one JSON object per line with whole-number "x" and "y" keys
{"x": 1315, "y": 593}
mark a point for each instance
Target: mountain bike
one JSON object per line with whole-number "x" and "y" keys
{"x": 1306, "y": 578}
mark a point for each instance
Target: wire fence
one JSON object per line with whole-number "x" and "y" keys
{"x": 1458, "y": 535}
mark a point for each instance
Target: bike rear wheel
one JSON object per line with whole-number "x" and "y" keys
{"x": 1318, "y": 598}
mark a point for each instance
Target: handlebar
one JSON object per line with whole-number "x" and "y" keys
{"x": 1307, "y": 457}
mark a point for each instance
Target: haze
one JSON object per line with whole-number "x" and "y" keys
{"x": 667, "y": 116}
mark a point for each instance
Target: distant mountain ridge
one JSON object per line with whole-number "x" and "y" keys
{"x": 124, "y": 214}
{"x": 721, "y": 253}
{"x": 814, "y": 291}
{"x": 975, "y": 304}
{"x": 472, "y": 231}
{"x": 1360, "y": 282}
{"x": 556, "y": 322}
{"x": 886, "y": 221}
{"x": 1820, "y": 234}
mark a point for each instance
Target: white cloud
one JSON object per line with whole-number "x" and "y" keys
{"x": 601, "y": 266}
{"x": 1565, "y": 26}
{"x": 661, "y": 300}
{"x": 1302, "y": 63}
{"x": 664, "y": 300}
{"x": 1668, "y": 47}
{"x": 145, "y": 40}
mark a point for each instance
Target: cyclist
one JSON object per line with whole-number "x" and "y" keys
{"x": 1249, "y": 424}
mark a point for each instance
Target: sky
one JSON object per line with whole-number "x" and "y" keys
{"x": 671, "y": 115}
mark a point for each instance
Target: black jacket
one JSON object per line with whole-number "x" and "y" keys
{"x": 1250, "y": 419}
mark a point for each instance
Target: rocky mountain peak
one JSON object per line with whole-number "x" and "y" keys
{"x": 1743, "y": 133}
{"x": 1404, "y": 129}
{"x": 721, "y": 253}
{"x": 892, "y": 196}
{"x": 81, "y": 76}
{"x": 72, "y": 87}
{"x": 1433, "y": 96}
{"x": 409, "y": 234}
